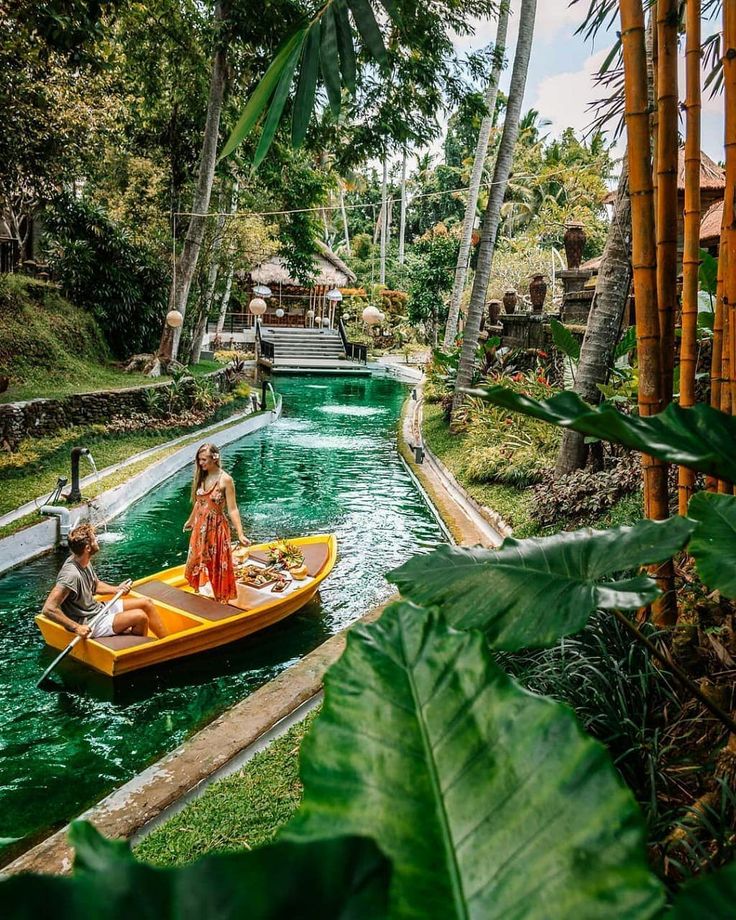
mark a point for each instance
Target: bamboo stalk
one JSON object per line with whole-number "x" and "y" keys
{"x": 666, "y": 197}
{"x": 644, "y": 259}
{"x": 716, "y": 360}
{"x": 728, "y": 237}
{"x": 691, "y": 247}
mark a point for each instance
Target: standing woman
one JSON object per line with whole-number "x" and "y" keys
{"x": 209, "y": 562}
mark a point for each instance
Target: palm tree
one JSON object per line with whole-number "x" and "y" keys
{"x": 186, "y": 264}
{"x": 604, "y": 323}
{"x": 501, "y": 173}
{"x": 484, "y": 134}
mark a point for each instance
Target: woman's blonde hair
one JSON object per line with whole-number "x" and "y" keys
{"x": 199, "y": 474}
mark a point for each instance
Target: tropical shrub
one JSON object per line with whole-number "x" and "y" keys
{"x": 101, "y": 268}
{"x": 584, "y": 493}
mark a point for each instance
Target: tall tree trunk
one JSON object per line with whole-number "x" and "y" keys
{"x": 481, "y": 149}
{"x": 644, "y": 246}
{"x": 501, "y": 174}
{"x": 224, "y": 303}
{"x": 209, "y": 293}
{"x": 186, "y": 264}
{"x": 384, "y": 219}
{"x": 691, "y": 246}
{"x": 604, "y": 323}
{"x": 666, "y": 197}
{"x": 345, "y": 228}
{"x": 402, "y": 212}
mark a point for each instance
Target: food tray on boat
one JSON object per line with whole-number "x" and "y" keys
{"x": 256, "y": 576}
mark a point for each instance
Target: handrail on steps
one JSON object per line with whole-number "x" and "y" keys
{"x": 353, "y": 350}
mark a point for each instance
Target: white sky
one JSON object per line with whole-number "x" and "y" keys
{"x": 560, "y": 84}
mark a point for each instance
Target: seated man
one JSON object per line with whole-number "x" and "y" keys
{"x": 72, "y": 603}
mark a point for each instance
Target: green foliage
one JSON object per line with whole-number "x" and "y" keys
{"x": 467, "y": 782}
{"x": 554, "y": 182}
{"x": 119, "y": 281}
{"x": 337, "y": 877}
{"x": 700, "y": 438}
{"x": 714, "y": 542}
{"x": 430, "y": 276}
{"x": 45, "y": 340}
{"x": 529, "y": 593}
{"x": 708, "y": 272}
{"x": 565, "y": 340}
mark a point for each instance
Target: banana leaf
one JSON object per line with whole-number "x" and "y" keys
{"x": 530, "y": 593}
{"x": 489, "y": 801}
{"x": 701, "y": 438}
{"x": 342, "y": 877}
{"x": 713, "y": 544}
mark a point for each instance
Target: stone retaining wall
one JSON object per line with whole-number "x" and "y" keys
{"x": 39, "y": 417}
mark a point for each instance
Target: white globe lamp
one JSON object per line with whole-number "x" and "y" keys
{"x": 325, "y": 320}
{"x": 174, "y": 319}
{"x": 371, "y": 316}
{"x": 257, "y": 306}
{"x": 279, "y": 313}
{"x": 310, "y": 314}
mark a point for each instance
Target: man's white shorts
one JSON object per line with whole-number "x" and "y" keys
{"x": 102, "y": 626}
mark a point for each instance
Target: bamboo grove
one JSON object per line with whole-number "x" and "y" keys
{"x": 651, "y": 108}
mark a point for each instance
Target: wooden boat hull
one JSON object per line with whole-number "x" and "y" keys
{"x": 197, "y": 624}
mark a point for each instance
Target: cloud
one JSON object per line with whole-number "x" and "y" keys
{"x": 565, "y": 98}
{"x": 553, "y": 17}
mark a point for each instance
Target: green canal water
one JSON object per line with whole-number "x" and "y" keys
{"x": 328, "y": 465}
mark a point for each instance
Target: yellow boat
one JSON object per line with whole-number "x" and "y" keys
{"x": 197, "y": 623}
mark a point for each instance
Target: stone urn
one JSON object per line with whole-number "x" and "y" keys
{"x": 537, "y": 292}
{"x": 574, "y": 244}
{"x": 494, "y": 311}
{"x": 510, "y": 299}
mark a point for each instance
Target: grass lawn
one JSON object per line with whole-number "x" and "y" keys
{"x": 239, "y": 812}
{"x": 34, "y": 468}
{"x": 89, "y": 377}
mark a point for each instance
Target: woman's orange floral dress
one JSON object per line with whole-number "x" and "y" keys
{"x": 210, "y": 559}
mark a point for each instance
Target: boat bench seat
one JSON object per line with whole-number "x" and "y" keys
{"x": 118, "y": 643}
{"x": 204, "y": 607}
{"x": 315, "y": 557}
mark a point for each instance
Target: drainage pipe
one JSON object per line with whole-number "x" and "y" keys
{"x": 64, "y": 517}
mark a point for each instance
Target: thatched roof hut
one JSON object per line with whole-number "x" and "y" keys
{"x": 329, "y": 271}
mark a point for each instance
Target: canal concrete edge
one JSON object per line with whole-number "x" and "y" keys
{"x": 38, "y": 539}
{"x": 152, "y": 795}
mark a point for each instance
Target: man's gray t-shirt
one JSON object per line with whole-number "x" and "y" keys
{"x": 81, "y": 582}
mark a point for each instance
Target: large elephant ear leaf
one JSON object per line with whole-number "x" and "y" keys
{"x": 713, "y": 544}
{"x": 530, "y": 593}
{"x": 711, "y": 897}
{"x": 341, "y": 877}
{"x": 489, "y": 801}
{"x": 701, "y": 438}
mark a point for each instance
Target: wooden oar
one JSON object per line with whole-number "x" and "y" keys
{"x": 124, "y": 587}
